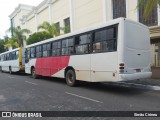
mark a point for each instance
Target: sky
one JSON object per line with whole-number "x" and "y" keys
{"x": 7, "y": 7}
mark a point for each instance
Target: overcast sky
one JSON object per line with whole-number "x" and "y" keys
{"x": 7, "y": 7}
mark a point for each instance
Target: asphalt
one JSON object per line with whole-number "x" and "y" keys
{"x": 154, "y": 82}
{"x": 20, "y": 92}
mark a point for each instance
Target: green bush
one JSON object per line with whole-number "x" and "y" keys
{"x": 1, "y": 46}
{"x": 37, "y": 37}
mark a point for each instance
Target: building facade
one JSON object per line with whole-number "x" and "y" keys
{"x": 85, "y": 13}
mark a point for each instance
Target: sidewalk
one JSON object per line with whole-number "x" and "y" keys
{"x": 153, "y": 82}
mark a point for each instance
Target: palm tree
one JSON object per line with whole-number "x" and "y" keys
{"x": 52, "y": 29}
{"x": 12, "y": 42}
{"x": 149, "y": 5}
{"x": 19, "y": 34}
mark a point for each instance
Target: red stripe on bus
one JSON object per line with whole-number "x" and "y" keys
{"x": 52, "y": 65}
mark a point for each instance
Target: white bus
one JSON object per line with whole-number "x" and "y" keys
{"x": 13, "y": 60}
{"x": 116, "y": 51}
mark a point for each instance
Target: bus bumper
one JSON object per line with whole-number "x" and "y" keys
{"x": 135, "y": 76}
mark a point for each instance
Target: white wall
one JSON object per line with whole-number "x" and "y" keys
{"x": 87, "y": 13}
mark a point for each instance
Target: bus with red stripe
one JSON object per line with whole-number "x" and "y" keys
{"x": 118, "y": 50}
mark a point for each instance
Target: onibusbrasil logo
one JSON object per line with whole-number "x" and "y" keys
{"x": 19, "y": 114}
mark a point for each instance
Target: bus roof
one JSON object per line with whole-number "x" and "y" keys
{"x": 9, "y": 51}
{"x": 108, "y": 23}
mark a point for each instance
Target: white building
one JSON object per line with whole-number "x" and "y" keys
{"x": 85, "y": 13}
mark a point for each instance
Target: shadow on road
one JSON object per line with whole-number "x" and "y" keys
{"x": 98, "y": 87}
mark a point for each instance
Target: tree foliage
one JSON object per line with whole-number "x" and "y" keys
{"x": 19, "y": 35}
{"x": 149, "y": 5}
{"x": 2, "y": 46}
{"x": 51, "y": 29}
{"x": 37, "y": 37}
{"x": 12, "y": 42}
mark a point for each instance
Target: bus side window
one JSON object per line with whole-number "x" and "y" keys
{"x": 7, "y": 57}
{"x": 39, "y": 51}
{"x": 10, "y": 56}
{"x": 82, "y": 44}
{"x": 2, "y": 57}
{"x": 71, "y": 49}
{"x": 47, "y": 50}
{"x": 65, "y": 47}
{"x": 56, "y": 48}
{"x": 33, "y": 52}
{"x": 27, "y": 55}
{"x": 104, "y": 40}
{"x": 17, "y": 54}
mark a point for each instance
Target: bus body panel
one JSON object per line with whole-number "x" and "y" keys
{"x": 14, "y": 64}
{"x": 82, "y": 66}
{"x": 31, "y": 63}
{"x": 14, "y": 61}
{"x": 104, "y": 67}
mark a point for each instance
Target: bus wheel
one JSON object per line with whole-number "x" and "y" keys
{"x": 71, "y": 78}
{"x": 10, "y": 70}
{"x": 1, "y": 69}
{"x": 34, "y": 74}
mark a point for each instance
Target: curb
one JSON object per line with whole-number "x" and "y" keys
{"x": 134, "y": 85}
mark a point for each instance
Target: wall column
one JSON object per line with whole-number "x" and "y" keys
{"x": 72, "y": 13}
{"x": 36, "y": 20}
{"x": 50, "y": 10}
{"x": 107, "y": 10}
{"x": 158, "y": 12}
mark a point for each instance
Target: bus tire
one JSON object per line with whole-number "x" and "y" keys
{"x": 10, "y": 70}
{"x": 1, "y": 69}
{"x": 71, "y": 78}
{"x": 33, "y": 73}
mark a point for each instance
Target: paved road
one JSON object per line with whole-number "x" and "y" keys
{"x": 20, "y": 92}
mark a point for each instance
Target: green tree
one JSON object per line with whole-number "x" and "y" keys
{"x": 52, "y": 29}
{"x": 12, "y": 42}
{"x": 19, "y": 35}
{"x": 2, "y": 46}
{"x": 6, "y": 39}
{"x": 149, "y": 5}
{"x": 37, "y": 37}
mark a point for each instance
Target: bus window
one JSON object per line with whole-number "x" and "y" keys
{"x": 7, "y": 57}
{"x": 33, "y": 54}
{"x": 71, "y": 50}
{"x": 56, "y": 48}
{"x": 10, "y": 56}
{"x": 39, "y": 51}
{"x": 65, "y": 47}
{"x": 68, "y": 46}
{"x": 46, "y": 50}
{"x": 27, "y": 55}
{"x": 2, "y": 58}
{"x": 82, "y": 44}
{"x": 17, "y": 54}
{"x": 104, "y": 40}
